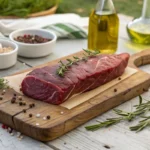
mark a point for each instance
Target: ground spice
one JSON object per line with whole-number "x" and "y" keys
{"x": 5, "y": 49}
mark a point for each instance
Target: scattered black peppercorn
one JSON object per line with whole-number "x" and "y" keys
{"x": 20, "y": 89}
{"x": 14, "y": 98}
{"x": 30, "y": 105}
{"x": 20, "y": 103}
{"x": 33, "y": 105}
{"x": 115, "y": 90}
{"x": 1, "y": 98}
{"x": 30, "y": 115}
{"x": 24, "y": 111}
{"x": 119, "y": 78}
{"x": 24, "y": 103}
{"x": 13, "y": 101}
{"x": 15, "y": 94}
{"x": 48, "y": 117}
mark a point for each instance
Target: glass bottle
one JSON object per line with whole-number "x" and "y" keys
{"x": 103, "y": 28}
{"x": 139, "y": 29}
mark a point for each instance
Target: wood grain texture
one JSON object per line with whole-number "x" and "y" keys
{"x": 59, "y": 123}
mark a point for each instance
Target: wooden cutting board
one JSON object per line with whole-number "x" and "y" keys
{"x": 63, "y": 118}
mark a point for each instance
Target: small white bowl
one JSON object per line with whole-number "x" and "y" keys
{"x": 34, "y": 50}
{"x": 8, "y": 59}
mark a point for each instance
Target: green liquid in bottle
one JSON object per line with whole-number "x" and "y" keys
{"x": 139, "y": 32}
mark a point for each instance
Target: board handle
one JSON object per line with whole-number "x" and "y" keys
{"x": 139, "y": 59}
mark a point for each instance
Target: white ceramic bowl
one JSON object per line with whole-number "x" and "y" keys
{"x": 8, "y": 59}
{"x": 34, "y": 50}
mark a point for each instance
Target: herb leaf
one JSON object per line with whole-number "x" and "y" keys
{"x": 140, "y": 99}
{"x": 64, "y": 67}
{"x": 141, "y": 125}
{"x": 141, "y": 108}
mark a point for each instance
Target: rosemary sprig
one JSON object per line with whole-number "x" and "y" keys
{"x": 107, "y": 123}
{"x": 141, "y": 108}
{"x": 64, "y": 67}
{"x": 141, "y": 125}
{"x": 3, "y": 83}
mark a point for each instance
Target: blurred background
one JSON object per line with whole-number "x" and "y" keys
{"x": 22, "y": 8}
{"x": 84, "y": 7}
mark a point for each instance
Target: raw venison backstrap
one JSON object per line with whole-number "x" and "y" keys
{"x": 44, "y": 84}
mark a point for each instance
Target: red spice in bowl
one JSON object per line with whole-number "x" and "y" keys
{"x": 32, "y": 39}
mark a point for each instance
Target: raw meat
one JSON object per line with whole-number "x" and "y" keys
{"x": 44, "y": 84}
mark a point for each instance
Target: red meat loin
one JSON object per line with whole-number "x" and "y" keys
{"x": 44, "y": 84}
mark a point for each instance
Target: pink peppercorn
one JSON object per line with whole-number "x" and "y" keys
{"x": 4, "y": 126}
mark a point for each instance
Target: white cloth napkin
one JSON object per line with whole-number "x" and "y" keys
{"x": 9, "y": 25}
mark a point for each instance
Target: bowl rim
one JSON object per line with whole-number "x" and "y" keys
{"x": 11, "y": 52}
{"x": 30, "y": 44}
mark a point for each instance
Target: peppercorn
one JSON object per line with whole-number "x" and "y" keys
{"x": 15, "y": 94}
{"x": 30, "y": 115}
{"x": 13, "y": 101}
{"x": 30, "y": 105}
{"x": 14, "y": 98}
{"x": 115, "y": 90}
{"x": 24, "y": 111}
{"x": 48, "y": 117}
{"x": 1, "y": 98}
{"x": 20, "y": 103}
{"x": 3, "y": 93}
{"x": 33, "y": 105}
{"x": 23, "y": 103}
{"x": 119, "y": 78}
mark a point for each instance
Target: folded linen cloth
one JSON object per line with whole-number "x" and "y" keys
{"x": 67, "y": 30}
{"x": 64, "y": 25}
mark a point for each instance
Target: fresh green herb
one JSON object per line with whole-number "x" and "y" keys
{"x": 141, "y": 125}
{"x": 141, "y": 108}
{"x": 22, "y": 8}
{"x": 64, "y": 67}
{"x": 107, "y": 123}
{"x": 3, "y": 83}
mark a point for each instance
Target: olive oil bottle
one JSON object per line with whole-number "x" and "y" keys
{"x": 139, "y": 29}
{"x": 103, "y": 28}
